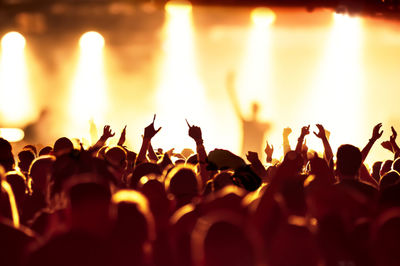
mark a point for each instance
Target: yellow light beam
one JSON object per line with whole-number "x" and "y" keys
{"x": 89, "y": 86}
{"x": 14, "y": 92}
{"x": 180, "y": 93}
{"x": 338, "y": 92}
{"x": 254, "y": 79}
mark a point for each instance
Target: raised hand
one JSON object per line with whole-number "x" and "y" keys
{"x": 394, "y": 134}
{"x": 269, "y": 150}
{"x": 287, "y": 131}
{"x": 377, "y": 132}
{"x": 321, "y": 132}
{"x": 150, "y": 131}
{"x": 195, "y": 133}
{"x": 122, "y": 138}
{"x": 387, "y": 145}
{"x": 252, "y": 157}
{"x": 107, "y": 133}
{"x": 305, "y": 131}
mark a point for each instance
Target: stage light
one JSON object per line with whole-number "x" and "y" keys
{"x": 14, "y": 90}
{"x": 180, "y": 93}
{"x": 89, "y": 85}
{"x": 254, "y": 78}
{"x": 13, "y": 41}
{"x": 178, "y": 7}
{"x": 338, "y": 93}
{"x": 12, "y": 134}
{"x": 263, "y": 16}
{"x": 91, "y": 40}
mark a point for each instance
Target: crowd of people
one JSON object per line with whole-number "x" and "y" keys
{"x": 108, "y": 205}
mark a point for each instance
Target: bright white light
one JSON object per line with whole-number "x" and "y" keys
{"x": 263, "y": 16}
{"x": 13, "y": 41}
{"x": 338, "y": 93}
{"x": 89, "y": 86}
{"x": 180, "y": 93}
{"x": 178, "y": 8}
{"x": 14, "y": 90}
{"x": 12, "y": 134}
{"x": 91, "y": 40}
{"x": 254, "y": 82}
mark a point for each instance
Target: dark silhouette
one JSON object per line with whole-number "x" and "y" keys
{"x": 253, "y": 130}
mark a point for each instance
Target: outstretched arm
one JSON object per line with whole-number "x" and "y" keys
{"x": 328, "y": 154}
{"x": 304, "y": 132}
{"x": 256, "y": 164}
{"x": 196, "y": 135}
{"x": 149, "y": 133}
{"x": 107, "y": 133}
{"x": 376, "y": 134}
{"x": 269, "y": 150}
{"x": 396, "y": 149}
{"x": 286, "y": 144}
{"x": 230, "y": 85}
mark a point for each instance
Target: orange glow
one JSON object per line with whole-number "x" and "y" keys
{"x": 14, "y": 93}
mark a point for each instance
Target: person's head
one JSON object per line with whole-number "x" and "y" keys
{"x": 32, "y": 148}
{"x": 183, "y": 183}
{"x": 348, "y": 162}
{"x": 25, "y": 159}
{"x": 390, "y": 178}
{"x": 18, "y": 185}
{"x": 90, "y": 207}
{"x": 376, "y": 168}
{"x": 40, "y": 172}
{"x": 116, "y": 156}
{"x": 45, "y": 151}
{"x": 396, "y": 165}
{"x": 222, "y": 179}
{"x": 62, "y": 146}
{"x": 220, "y": 238}
{"x": 386, "y": 167}
{"x": 143, "y": 169}
{"x": 6, "y": 155}
{"x": 133, "y": 228}
{"x": 255, "y": 109}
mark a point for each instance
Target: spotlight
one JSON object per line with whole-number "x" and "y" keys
{"x": 263, "y": 16}
{"x": 91, "y": 40}
{"x": 178, "y": 7}
{"x": 13, "y": 40}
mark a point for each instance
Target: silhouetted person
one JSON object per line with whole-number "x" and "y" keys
{"x": 253, "y": 130}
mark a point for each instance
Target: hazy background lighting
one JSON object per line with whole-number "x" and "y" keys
{"x": 89, "y": 98}
{"x": 14, "y": 91}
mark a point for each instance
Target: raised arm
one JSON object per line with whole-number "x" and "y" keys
{"x": 256, "y": 164}
{"x": 196, "y": 135}
{"x": 376, "y": 134}
{"x": 328, "y": 154}
{"x": 304, "y": 132}
{"x": 286, "y": 144}
{"x": 230, "y": 85}
{"x": 396, "y": 149}
{"x": 269, "y": 150}
{"x": 149, "y": 133}
{"x": 107, "y": 133}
